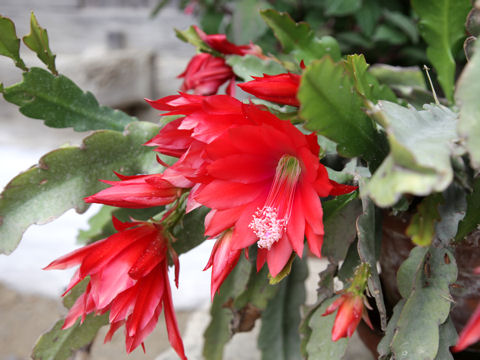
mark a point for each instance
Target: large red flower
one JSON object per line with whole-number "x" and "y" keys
{"x": 265, "y": 181}
{"x": 128, "y": 277}
{"x": 280, "y": 88}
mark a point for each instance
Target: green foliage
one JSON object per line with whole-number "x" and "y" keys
{"x": 452, "y": 211}
{"x": 448, "y": 338}
{"x": 248, "y": 66}
{"x": 340, "y": 216}
{"x": 9, "y": 43}
{"x": 217, "y": 333}
{"x": 32, "y": 197}
{"x": 423, "y": 280}
{"x": 442, "y": 25}
{"x": 365, "y": 83}
{"x": 189, "y": 231}
{"x": 61, "y": 103}
{"x": 320, "y": 345}
{"x": 332, "y": 108}
{"x": 58, "y": 344}
{"x": 191, "y": 36}
{"x": 325, "y": 291}
{"x": 37, "y": 41}
{"x": 341, "y": 7}
{"x": 421, "y": 143}
{"x": 298, "y": 39}
{"x": 279, "y": 338}
{"x": 247, "y": 23}
{"x": 369, "y": 232}
{"x": 422, "y": 225}
{"x": 472, "y": 216}
{"x": 467, "y": 98}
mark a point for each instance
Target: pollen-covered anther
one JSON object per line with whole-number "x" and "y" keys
{"x": 267, "y": 227}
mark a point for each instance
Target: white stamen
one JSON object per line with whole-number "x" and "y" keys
{"x": 268, "y": 228}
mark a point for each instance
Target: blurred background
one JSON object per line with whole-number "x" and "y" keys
{"x": 119, "y": 52}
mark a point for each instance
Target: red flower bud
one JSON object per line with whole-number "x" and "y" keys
{"x": 280, "y": 88}
{"x": 205, "y": 73}
{"x": 350, "y": 311}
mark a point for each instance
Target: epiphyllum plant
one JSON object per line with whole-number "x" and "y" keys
{"x": 322, "y": 150}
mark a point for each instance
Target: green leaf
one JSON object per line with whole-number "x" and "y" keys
{"x": 65, "y": 176}
{"x": 333, "y": 108}
{"x": 442, "y": 25}
{"x": 9, "y": 43}
{"x": 352, "y": 260}
{"x": 448, "y": 338}
{"x": 258, "y": 291}
{"x": 397, "y": 76}
{"x": 320, "y": 345}
{"x": 325, "y": 290}
{"x": 421, "y": 143}
{"x": 368, "y": 15}
{"x": 427, "y": 304}
{"x": 248, "y": 66}
{"x": 389, "y": 35}
{"x": 403, "y": 23}
{"x": 383, "y": 347}
{"x": 248, "y": 306}
{"x": 467, "y": 99}
{"x": 341, "y": 7}
{"x": 299, "y": 39}
{"x": 279, "y": 338}
{"x": 369, "y": 232}
{"x": 37, "y": 41}
{"x": 191, "y": 36}
{"x": 58, "y": 344}
{"x": 473, "y": 22}
{"x": 217, "y": 333}
{"x": 339, "y": 221}
{"x": 422, "y": 225}
{"x": 61, "y": 103}
{"x": 472, "y": 216}
{"x": 247, "y": 24}
{"x": 190, "y": 230}
{"x": 365, "y": 83}
{"x": 452, "y": 211}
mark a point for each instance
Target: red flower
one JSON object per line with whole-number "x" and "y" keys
{"x": 205, "y": 73}
{"x": 220, "y": 43}
{"x": 265, "y": 181}
{"x": 222, "y": 260}
{"x": 470, "y": 333}
{"x": 280, "y": 88}
{"x": 135, "y": 192}
{"x": 206, "y": 118}
{"x": 128, "y": 277}
{"x": 350, "y": 311}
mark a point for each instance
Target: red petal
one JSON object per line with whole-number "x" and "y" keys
{"x": 312, "y": 207}
{"x": 296, "y": 226}
{"x": 171, "y": 320}
{"x": 470, "y": 333}
{"x": 278, "y": 256}
{"x": 243, "y": 168}
{"x": 315, "y": 241}
{"x": 220, "y": 194}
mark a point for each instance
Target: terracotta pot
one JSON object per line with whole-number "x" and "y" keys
{"x": 395, "y": 249}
